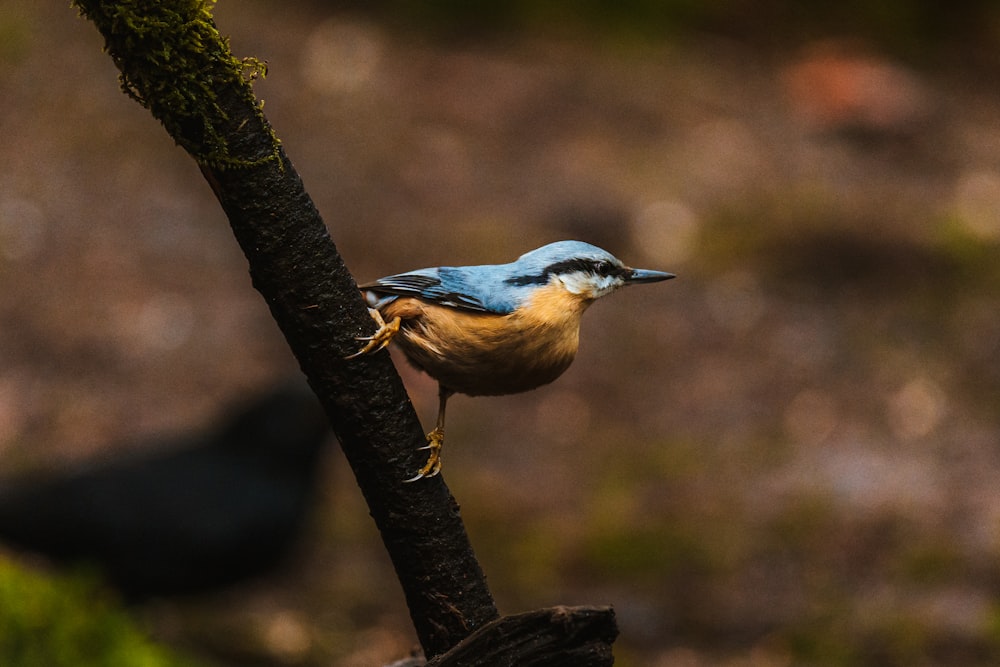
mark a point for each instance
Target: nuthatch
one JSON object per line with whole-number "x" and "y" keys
{"x": 494, "y": 329}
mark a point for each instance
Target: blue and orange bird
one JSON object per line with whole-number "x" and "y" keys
{"x": 493, "y": 329}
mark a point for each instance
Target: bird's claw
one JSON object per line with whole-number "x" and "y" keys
{"x": 435, "y": 441}
{"x": 382, "y": 336}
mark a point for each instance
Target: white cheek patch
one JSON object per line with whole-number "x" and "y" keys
{"x": 589, "y": 285}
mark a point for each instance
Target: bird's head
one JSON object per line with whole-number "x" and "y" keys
{"x": 583, "y": 270}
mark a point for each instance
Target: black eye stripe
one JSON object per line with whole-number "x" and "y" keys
{"x": 601, "y": 267}
{"x": 569, "y": 266}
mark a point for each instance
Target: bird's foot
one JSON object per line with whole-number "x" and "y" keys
{"x": 435, "y": 441}
{"x": 382, "y": 337}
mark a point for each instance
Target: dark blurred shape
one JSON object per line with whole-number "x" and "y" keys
{"x": 207, "y": 510}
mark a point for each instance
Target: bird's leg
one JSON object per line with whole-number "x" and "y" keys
{"x": 435, "y": 439}
{"x": 381, "y": 337}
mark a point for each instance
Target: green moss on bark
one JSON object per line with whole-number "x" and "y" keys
{"x": 174, "y": 62}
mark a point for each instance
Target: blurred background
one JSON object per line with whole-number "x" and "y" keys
{"x": 790, "y": 455}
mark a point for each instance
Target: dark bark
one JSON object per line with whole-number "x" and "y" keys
{"x": 316, "y": 304}
{"x": 312, "y": 296}
{"x": 556, "y": 637}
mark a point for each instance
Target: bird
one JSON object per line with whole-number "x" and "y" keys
{"x": 207, "y": 509}
{"x": 493, "y": 329}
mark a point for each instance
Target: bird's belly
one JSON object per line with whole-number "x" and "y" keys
{"x": 481, "y": 354}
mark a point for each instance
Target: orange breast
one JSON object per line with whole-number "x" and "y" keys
{"x": 487, "y": 354}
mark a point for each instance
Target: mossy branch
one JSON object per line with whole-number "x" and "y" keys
{"x": 174, "y": 61}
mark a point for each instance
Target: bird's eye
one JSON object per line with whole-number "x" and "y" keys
{"x": 604, "y": 268}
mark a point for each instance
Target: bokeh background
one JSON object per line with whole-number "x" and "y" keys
{"x": 790, "y": 455}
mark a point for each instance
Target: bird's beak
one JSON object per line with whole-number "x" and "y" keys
{"x": 646, "y": 276}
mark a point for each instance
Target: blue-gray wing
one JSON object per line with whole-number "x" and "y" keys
{"x": 447, "y": 286}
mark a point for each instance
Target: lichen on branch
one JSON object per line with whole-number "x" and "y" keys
{"x": 174, "y": 61}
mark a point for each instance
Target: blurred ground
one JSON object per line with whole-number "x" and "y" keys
{"x": 787, "y": 456}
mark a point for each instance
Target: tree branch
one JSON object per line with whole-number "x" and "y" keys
{"x": 174, "y": 61}
{"x": 556, "y": 637}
